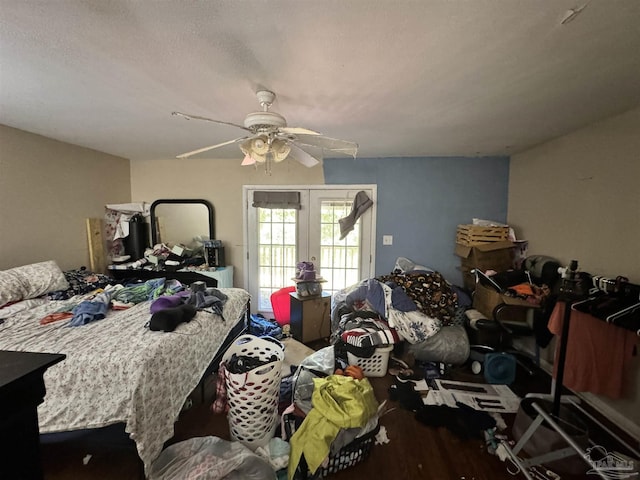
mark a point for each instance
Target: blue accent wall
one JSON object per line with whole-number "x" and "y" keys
{"x": 421, "y": 201}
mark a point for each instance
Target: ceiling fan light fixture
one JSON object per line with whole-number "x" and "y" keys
{"x": 259, "y": 145}
{"x": 255, "y": 150}
{"x": 259, "y": 158}
{"x": 280, "y": 150}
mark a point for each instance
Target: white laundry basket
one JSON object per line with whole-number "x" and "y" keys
{"x": 375, "y": 365}
{"x": 253, "y": 396}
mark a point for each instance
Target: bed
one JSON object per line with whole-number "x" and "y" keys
{"x": 116, "y": 369}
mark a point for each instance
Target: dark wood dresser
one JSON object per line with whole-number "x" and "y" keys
{"x": 21, "y": 391}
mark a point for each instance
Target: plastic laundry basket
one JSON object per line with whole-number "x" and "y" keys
{"x": 253, "y": 396}
{"x": 374, "y": 366}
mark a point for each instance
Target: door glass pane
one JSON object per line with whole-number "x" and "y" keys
{"x": 277, "y": 252}
{"x": 339, "y": 259}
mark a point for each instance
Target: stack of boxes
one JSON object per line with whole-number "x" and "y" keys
{"x": 484, "y": 248}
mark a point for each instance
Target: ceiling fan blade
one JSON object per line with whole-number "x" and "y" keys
{"x": 328, "y": 143}
{"x": 196, "y": 117}
{"x": 303, "y": 157}
{"x": 211, "y": 147}
{"x": 298, "y": 131}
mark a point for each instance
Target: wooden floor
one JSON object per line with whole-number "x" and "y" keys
{"x": 415, "y": 451}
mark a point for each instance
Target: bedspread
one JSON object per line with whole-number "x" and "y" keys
{"x": 117, "y": 370}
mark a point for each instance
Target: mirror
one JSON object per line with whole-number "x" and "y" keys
{"x": 176, "y": 220}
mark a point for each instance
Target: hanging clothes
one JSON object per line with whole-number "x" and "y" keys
{"x": 361, "y": 204}
{"x": 597, "y": 355}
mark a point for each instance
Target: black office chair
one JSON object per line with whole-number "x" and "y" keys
{"x": 507, "y": 317}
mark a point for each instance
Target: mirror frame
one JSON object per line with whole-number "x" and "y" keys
{"x": 189, "y": 201}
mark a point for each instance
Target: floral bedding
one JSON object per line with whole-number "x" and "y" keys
{"x": 117, "y": 370}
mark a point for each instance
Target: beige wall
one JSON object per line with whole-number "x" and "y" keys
{"x": 220, "y": 182}
{"x": 47, "y": 190}
{"x": 578, "y": 197}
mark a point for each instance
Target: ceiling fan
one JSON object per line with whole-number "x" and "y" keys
{"x": 269, "y": 139}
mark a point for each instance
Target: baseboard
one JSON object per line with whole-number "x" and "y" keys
{"x": 622, "y": 422}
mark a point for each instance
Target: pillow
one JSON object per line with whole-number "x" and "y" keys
{"x": 31, "y": 281}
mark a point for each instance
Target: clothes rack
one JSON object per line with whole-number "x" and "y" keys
{"x": 573, "y": 296}
{"x": 615, "y": 301}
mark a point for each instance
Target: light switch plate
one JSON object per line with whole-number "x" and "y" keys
{"x": 387, "y": 239}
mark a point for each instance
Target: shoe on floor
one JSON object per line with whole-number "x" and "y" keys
{"x": 409, "y": 374}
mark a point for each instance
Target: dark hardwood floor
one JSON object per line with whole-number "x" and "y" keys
{"x": 415, "y": 451}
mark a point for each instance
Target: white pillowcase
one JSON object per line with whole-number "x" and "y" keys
{"x": 31, "y": 281}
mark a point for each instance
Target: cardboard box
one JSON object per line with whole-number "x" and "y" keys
{"x": 486, "y": 299}
{"x": 468, "y": 279}
{"x": 498, "y": 256}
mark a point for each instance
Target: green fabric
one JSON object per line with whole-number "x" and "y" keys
{"x": 338, "y": 402}
{"x": 149, "y": 290}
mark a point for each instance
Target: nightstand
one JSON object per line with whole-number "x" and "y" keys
{"x": 310, "y": 316}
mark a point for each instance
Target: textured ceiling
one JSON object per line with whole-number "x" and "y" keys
{"x": 400, "y": 78}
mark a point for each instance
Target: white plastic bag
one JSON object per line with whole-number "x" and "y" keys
{"x": 210, "y": 458}
{"x": 316, "y": 365}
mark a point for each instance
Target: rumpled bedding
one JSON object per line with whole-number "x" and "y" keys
{"x": 80, "y": 282}
{"x": 91, "y": 310}
{"x": 430, "y": 291}
{"x": 415, "y": 305}
{"x": 116, "y": 370}
{"x": 392, "y": 303}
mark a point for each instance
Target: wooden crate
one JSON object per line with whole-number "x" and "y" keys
{"x": 470, "y": 235}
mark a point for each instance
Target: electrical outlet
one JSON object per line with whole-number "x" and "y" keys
{"x": 387, "y": 239}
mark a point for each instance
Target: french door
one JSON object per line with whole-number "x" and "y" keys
{"x": 278, "y": 237}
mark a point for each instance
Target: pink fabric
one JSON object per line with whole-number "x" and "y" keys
{"x": 597, "y": 354}
{"x": 221, "y": 403}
